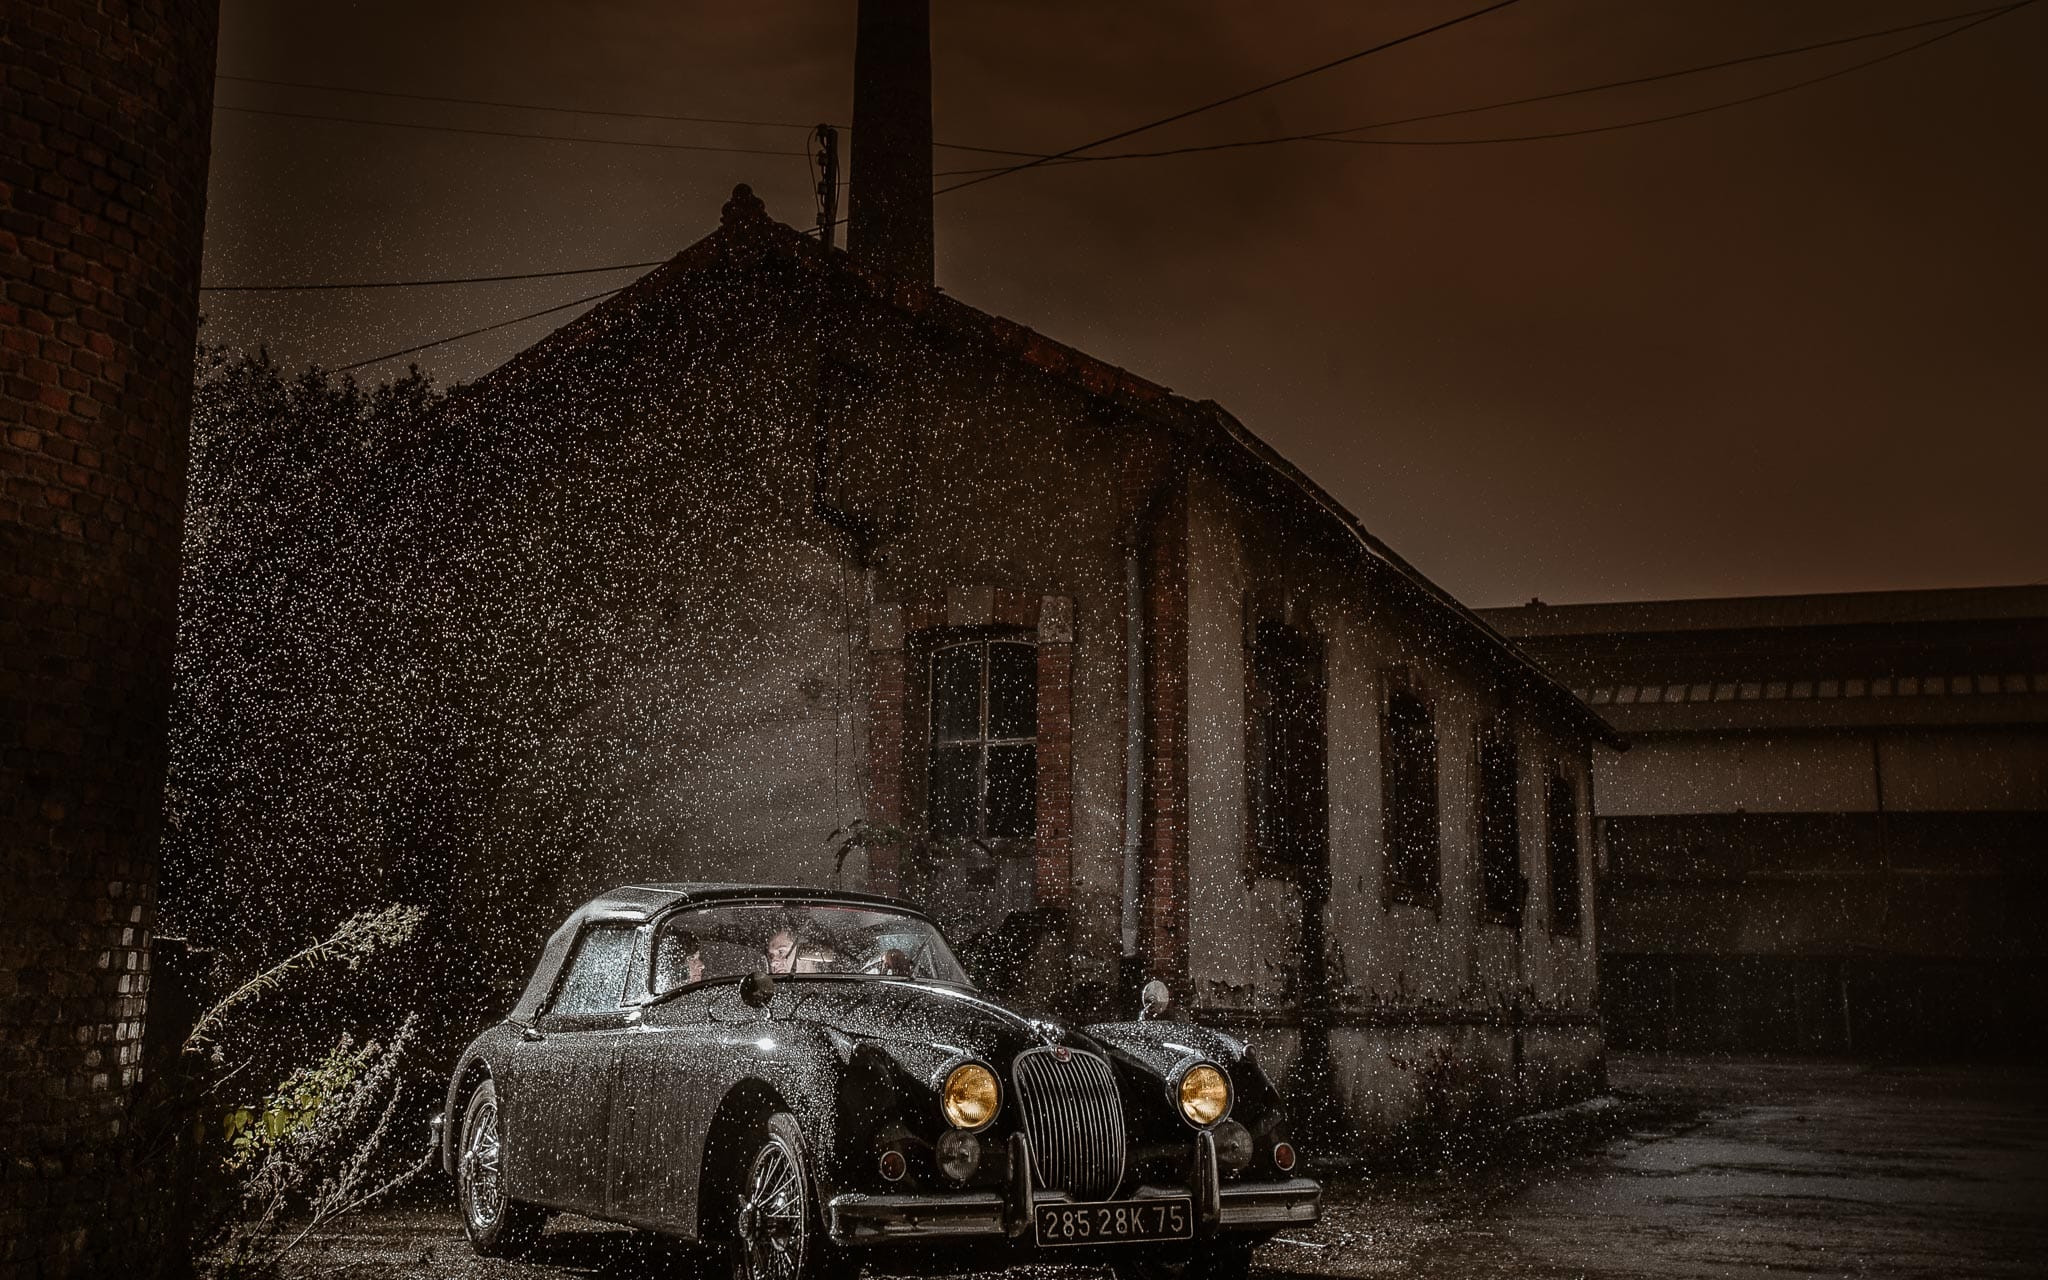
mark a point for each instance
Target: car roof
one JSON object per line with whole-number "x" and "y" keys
{"x": 639, "y": 903}
{"x": 645, "y": 901}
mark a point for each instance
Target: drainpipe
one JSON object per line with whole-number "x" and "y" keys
{"x": 1134, "y": 738}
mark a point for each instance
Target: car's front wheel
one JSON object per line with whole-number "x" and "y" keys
{"x": 1226, "y": 1259}
{"x": 777, "y": 1225}
{"x": 497, "y": 1225}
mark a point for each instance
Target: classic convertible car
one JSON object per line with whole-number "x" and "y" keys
{"x": 811, "y": 1081}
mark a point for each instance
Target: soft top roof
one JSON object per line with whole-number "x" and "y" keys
{"x": 644, "y": 901}
{"x": 639, "y": 903}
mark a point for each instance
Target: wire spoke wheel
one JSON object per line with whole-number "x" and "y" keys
{"x": 775, "y": 1213}
{"x": 483, "y": 1190}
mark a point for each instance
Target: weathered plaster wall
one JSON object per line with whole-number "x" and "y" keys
{"x": 1417, "y": 988}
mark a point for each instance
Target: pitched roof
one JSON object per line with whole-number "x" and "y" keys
{"x": 747, "y": 234}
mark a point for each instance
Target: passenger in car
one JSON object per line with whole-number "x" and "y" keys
{"x": 678, "y": 961}
{"x": 800, "y": 946}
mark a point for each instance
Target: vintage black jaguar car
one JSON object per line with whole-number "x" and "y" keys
{"x": 812, "y": 1081}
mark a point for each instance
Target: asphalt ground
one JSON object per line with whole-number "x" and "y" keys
{"x": 1694, "y": 1167}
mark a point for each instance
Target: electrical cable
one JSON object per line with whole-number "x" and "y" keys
{"x": 457, "y": 337}
{"x": 414, "y": 284}
{"x": 581, "y": 111}
{"x": 1332, "y": 135}
{"x": 1239, "y": 96}
{"x": 1679, "y": 115}
{"x": 500, "y": 133}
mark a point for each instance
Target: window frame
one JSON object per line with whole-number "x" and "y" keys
{"x": 984, "y": 639}
{"x": 1263, "y": 860}
{"x": 1571, "y": 922}
{"x": 1410, "y": 877}
{"x": 1497, "y": 834}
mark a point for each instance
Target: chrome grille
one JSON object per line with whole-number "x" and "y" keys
{"x": 1074, "y": 1119}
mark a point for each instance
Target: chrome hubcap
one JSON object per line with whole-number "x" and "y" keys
{"x": 773, "y": 1214}
{"x": 483, "y": 1194}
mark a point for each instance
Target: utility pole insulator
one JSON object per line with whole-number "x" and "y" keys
{"x": 827, "y": 139}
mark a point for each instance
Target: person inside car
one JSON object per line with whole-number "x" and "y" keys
{"x": 798, "y": 945}
{"x": 678, "y": 961}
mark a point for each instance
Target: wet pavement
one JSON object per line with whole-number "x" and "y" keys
{"x": 1697, "y": 1167}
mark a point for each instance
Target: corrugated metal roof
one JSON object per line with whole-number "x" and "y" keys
{"x": 1734, "y": 613}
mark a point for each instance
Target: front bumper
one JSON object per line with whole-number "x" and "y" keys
{"x": 856, "y": 1218}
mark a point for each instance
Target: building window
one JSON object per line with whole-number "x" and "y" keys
{"x": 1561, "y": 838}
{"x": 1289, "y": 755}
{"x": 1500, "y": 843}
{"x": 983, "y": 778}
{"x": 1408, "y": 784}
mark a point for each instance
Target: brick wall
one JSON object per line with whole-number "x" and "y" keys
{"x": 105, "y": 111}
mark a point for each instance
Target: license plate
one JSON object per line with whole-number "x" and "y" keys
{"x": 1117, "y": 1221}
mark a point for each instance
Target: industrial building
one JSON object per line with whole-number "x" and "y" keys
{"x": 1830, "y": 831}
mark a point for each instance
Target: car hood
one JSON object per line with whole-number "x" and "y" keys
{"x": 926, "y": 1028}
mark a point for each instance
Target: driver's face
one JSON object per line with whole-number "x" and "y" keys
{"x": 782, "y": 952}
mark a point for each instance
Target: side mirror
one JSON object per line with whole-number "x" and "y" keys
{"x": 1154, "y": 1000}
{"x": 757, "y": 989}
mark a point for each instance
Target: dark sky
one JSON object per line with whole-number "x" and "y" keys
{"x": 1793, "y": 346}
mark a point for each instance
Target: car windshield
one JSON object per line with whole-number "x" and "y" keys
{"x": 730, "y": 941}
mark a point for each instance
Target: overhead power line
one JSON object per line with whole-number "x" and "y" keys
{"x": 1680, "y": 115}
{"x": 415, "y": 284}
{"x": 457, "y": 337}
{"x": 581, "y": 111}
{"x": 501, "y": 133}
{"x": 1239, "y": 96}
{"x": 1335, "y": 135}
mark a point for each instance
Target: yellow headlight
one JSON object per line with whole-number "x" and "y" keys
{"x": 971, "y": 1096}
{"x": 1204, "y": 1095}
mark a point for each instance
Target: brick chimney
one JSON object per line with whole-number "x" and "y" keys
{"x": 889, "y": 206}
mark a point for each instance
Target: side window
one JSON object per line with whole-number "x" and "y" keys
{"x": 594, "y": 981}
{"x": 1562, "y": 837}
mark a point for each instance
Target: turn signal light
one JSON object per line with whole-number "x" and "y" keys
{"x": 1283, "y": 1157}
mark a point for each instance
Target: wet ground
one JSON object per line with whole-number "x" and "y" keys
{"x": 1697, "y": 1167}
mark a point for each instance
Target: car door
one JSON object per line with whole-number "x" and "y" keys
{"x": 570, "y": 1072}
{"x": 673, "y": 1071}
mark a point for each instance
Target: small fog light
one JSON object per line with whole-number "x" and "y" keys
{"x": 1233, "y": 1146}
{"x": 1283, "y": 1157}
{"x": 958, "y": 1154}
{"x": 894, "y": 1166}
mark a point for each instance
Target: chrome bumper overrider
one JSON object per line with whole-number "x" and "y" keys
{"x": 860, "y": 1219}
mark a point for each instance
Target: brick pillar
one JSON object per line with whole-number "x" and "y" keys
{"x": 1053, "y": 846}
{"x": 105, "y": 122}
{"x": 1163, "y": 909}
